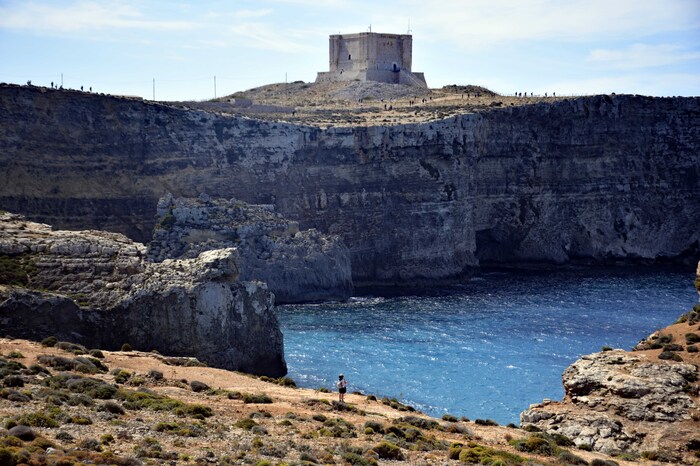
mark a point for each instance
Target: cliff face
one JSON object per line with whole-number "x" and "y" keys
{"x": 96, "y": 288}
{"x": 592, "y": 178}
{"x": 297, "y": 266}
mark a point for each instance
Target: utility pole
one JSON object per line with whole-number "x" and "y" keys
{"x": 154, "y": 88}
{"x": 286, "y": 89}
{"x": 215, "y": 86}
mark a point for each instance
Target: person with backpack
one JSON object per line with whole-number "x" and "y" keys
{"x": 342, "y": 385}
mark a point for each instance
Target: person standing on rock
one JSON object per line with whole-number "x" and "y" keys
{"x": 342, "y": 388}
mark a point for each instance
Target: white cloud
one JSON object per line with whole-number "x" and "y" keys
{"x": 267, "y": 37}
{"x": 477, "y": 23}
{"x": 82, "y": 16}
{"x": 642, "y": 56}
{"x": 252, "y": 13}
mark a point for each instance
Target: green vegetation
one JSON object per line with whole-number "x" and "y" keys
{"x": 449, "y": 418}
{"x": 183, "y": 430}
{"x": 283, "y": 381}
{"x": 48, "y": 418}
{"x": 260, "y": 398}
{"x": 670, "y": 355}
{"x": 145, "y": 399}
{"x": 544, "y": 444}
{"x": 485, "y": 422}
{"x": 85, "y": 365}
{"x": 94, "y": 388}
{"x": 16, "y": 270}
{"x": 394, "y": 403}
{"x": 246, "y": 423}
{"x": 198, "y": 386}
{"x": 420, "y": 422}
{"x": 691, "y": 338}
{"x": 49, "y": 342}
{"x": 474, "y": 453}
{"x": 388, "y": 451}
{"x": 337, "y": 428}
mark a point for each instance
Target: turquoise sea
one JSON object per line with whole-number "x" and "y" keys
{"x": 485, "y": 349}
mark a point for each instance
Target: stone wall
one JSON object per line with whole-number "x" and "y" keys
{"x": 597, "y": 179}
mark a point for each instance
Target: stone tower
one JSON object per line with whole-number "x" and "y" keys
{"x": 371, "y": 56}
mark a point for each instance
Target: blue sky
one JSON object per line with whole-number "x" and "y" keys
{"x": 649, "y": 47}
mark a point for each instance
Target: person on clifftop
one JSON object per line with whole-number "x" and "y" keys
{"x": 342, "y": 388}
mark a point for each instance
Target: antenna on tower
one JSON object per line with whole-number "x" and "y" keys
{"x": 409, "y": 26}
{"x": 370, "y": 28}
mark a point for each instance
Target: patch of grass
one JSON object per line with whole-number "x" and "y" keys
{"x": 71, "y": 347}
{"x": 568, "y": 458}
{"x": 145, "y": 399}
{"x": 449, "y": 418}
{"x": 245, "y": 423}
{"x": 538, "y": 443}
{"x": 93, "y": 388}
{"x": 85, "y": 365}
{"x": 691, "y": 338}
{"x": 17, "y": 270}
{"x": 485, "y": 422}
{"x": 395, "y": 404}
{"x": 258, "y": 398}
{"x": 46, "y": 418}
{"x": 420, "y": 422}
{"x": 282, "y": 381}
{"x": 183, "y": 430}
{"x": 49, "y": 342}
{"x": 670, "y": 355}
{"x": 374, "y": 426}
{"x": 478, "y": 454}
{"x": 599, "y": 462}
{"x": 389, "y": 451}
{"x": 111, "y": 407}
{"x": 80, "y": 420}
{"x": 337, "y": 428}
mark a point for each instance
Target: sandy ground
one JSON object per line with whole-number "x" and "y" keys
{"x": 290, "y": 428}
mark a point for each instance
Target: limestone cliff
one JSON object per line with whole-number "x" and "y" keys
{"x": 96, "y": 288}
{"x": 296, "y": 265}
{"x": 589, "y": 179}
{"x": 634, "y": 402}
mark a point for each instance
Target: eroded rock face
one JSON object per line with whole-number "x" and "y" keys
{"x": 618, "y": 401}
{"x": 593, "y": 179}
{"x": 297, "y": 265}
{"x": 97, "y": 289}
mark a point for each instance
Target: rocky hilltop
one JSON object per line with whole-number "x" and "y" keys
{"x": 642, "y": 402}
{"x": 297, "y": 266}
{"x": 97, "y": 289}
{"x": 594, "y": 179}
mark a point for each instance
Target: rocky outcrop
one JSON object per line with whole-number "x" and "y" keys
{"x": 592, "y": 179}
{"x": 296, "y": 265}
{"x": 646, "y": 400}
{"x": 621, "y": 402}
{"x": 97, "y": 289}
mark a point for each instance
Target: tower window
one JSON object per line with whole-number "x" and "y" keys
{"x": 349, "y": 57}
